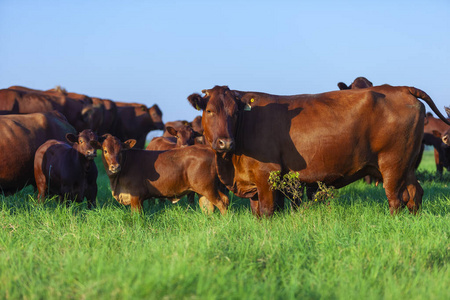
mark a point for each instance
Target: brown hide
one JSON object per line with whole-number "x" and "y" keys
{"x": 174, "y": 124}
{"x": 135, "y": 121}
{"x": 335, "y": 137}
{"x": 358, "y": 83}
{"x": 21, "y": 137}
{"x": 181, "y": 137}
{"x": 136, "y": 175}
{"x": 433, "y": 125}
{"x": 67, "y": 170}
{"x": 21, "y": 100}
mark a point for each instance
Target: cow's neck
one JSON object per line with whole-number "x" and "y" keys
{"x": 225, "y": 169}
{"x": 113, "y": 178}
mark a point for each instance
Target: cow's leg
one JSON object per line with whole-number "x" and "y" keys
{"x": 267, "y": 200}
{"x": 190, "y": 198}
{"x": 254, "y": 205}
{"x": 42, "y": 188}
{"x": 414, "y": 195}
{"x": 219, "y": 199}
{"x": 402, "y": 188}
{"x": 91, "y": 195}
{"x": 206, "y": 205}
{"x": 136, "y": 204}
{"x": 439, "y": 165}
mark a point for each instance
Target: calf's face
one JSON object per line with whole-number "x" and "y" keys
{"x": 112, "y": 149}
{"x": 185, "y": 135}
{"x": 82, "y": 143}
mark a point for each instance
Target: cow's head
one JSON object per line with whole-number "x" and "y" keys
{"x": 112, "y": 149}
{"x": 82, "y": 143}
{"x": 156, "y": 115}
{"x": 92, "y": 115}
{"x": 358, "y": 83}
{"x": 220, "y": 108}
{"x": 185, "y": 135}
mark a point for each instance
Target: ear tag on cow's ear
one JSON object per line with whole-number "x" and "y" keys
{"x": 247, "y": 107}
{"x": 197, "y": 107}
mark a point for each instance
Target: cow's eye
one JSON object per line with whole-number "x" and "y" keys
{"x": 105, "y": 151}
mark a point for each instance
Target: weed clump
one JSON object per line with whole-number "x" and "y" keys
{"x": 292, "y": 188}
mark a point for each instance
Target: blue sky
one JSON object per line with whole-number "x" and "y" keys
{"x": 162, "y": 51}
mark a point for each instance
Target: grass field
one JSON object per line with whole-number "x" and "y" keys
{"x": 350, "y": 249}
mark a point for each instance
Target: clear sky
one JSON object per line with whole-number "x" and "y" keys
{"x": 162, "y": 51}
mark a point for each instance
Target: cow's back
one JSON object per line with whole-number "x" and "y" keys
{"x": 315, "y": 134}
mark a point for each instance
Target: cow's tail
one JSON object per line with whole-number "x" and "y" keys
{"x": 422, "y": 95}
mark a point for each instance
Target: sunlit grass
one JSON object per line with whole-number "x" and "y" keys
{"x": 351, "y": 248}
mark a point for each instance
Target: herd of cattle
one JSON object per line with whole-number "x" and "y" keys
{"x": 51, "y": 137}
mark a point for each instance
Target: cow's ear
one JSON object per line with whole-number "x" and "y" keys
{"x": 128, "y": 144}
{"x": 437, "y": 134}
{"x": 172, "y": 131}
{"x": 197, "y": 101}
{"x": 342, "y": 86}
{"x": 96, "y": 144}
{"x": 71, "y": 138}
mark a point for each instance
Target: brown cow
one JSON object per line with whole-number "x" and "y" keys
{"x": 358, "y": 83}
{"x": 135, "y": 121}
{"x": 21, "y": 137}
{"x": 136, "y": 175}
{"x": 175, "y": 125}
{"x": 256, "y": 133}
{"x": 181, "y": 137}
{"x": 21, "y": 100}
{"x": 101, "y": 115}
{"x": 196, "y": 125}
{"x": 68, "y": 171}
{"x": 436, "y": 127}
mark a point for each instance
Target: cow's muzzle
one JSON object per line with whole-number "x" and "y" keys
{"x": 114, "y": 169}
{"x": 224, "y": 145}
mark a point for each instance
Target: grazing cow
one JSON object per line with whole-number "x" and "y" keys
{"x": 135, "y": 121}
{"x": 136, "y": 175}
{"x": 434, "y": 126}
{"x": 101, "y": 116}
{"x": 358, "y": 83}
{"x": 181, "y": 137}
{"x": 21, "y": 137}
{"x": 68, "y": 170}
{"x": 441, "y": 146}
{"x": 20, "y": 100}
{"x": 255, "y": 133}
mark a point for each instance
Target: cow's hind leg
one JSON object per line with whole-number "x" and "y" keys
{"x": 402, "y": 190}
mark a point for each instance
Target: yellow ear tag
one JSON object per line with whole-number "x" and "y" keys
{"x": 252, "y": 100}
{"x": 196, "y": 106}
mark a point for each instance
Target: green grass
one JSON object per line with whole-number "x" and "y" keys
{"x": 350, "y": 249}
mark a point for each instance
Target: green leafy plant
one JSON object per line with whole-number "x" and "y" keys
{"x": 292, "y": 188}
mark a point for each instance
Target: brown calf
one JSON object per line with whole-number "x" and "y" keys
{"x": 67, "y": 170}
{"x": 136, "y": 175}
{"x": 181, "y": 137}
